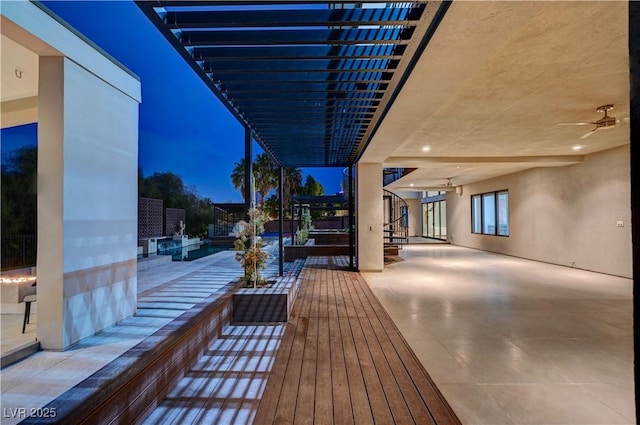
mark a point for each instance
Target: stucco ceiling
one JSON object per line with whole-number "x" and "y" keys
{"x": 496, "y": 79}
{"x": 19, "y": 83}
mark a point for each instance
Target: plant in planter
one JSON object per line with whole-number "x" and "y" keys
{"x": 302, "y": 235}
{"x": 248, "y": 247}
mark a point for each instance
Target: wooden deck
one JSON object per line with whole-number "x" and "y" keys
{"x": 343, "y": 361}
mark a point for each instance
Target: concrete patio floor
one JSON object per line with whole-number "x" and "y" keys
{"x": 513, "y": 341}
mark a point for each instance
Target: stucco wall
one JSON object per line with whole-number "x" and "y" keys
{"x": 87, "y": 178}
{"x": 87, "y": 203}
{"x": 415, "y": 216}
{"x": 369, "y": 207}
{"x": 565, "y": 215}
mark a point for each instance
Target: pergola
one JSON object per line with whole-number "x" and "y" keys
{"x": 310, "y": 81}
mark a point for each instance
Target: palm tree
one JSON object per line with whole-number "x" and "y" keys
{"x": 237, "y": 176}
{"x": 265, "y": 175}
{"x": 292, "y": 184}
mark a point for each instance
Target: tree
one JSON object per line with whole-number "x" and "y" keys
{"x": 271, "y": 207}
{"x": 249, "y": 248}
{"x": 237, "y": 176}
{"x": 166, "y": 186}
{"x": 311, "y": 187}
{"x": 19, "y": 192}
{"x": 265, "y": 175}
{"x": 292, "y": 184}
{"x": 171, "y": 189}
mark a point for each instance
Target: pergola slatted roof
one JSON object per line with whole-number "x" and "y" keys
{"x": 310, "y": 79}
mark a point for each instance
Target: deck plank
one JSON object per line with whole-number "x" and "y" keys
{"x": 305, "y": 403}
{"x": 342, "y": 410}
{"x": 375, "y": 392}
{"x": 287, "y": 383}
{"x": 343, "y": 360}
{"x": 324, "y": 396}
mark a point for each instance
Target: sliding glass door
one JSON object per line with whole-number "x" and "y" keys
{"x": 434, "y": 220}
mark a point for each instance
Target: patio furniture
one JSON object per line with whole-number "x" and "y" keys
{"x": 27, "y": 294}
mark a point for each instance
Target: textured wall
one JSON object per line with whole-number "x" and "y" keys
{"x": 415, "y": 216}
{"x": 87, "y": 211}
{"x": 370, "y": 217}
{"x": 149, "y": 217}
{"x": 559, "y": 215}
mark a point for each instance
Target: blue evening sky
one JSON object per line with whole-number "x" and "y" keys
{"x": 184, "y": 128}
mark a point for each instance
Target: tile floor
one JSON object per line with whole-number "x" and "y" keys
{"x": 42, "y": 377}
{"x": 512, "y": 341}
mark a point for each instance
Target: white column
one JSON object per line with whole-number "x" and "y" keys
{"x": 87, "y": 203}
{"x": 50, "y": 202}
{"x": 370, "y": 218}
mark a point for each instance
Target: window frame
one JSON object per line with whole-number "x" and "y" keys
{"x": 497, "y": 216}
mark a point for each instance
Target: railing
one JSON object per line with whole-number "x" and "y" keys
{"x": 18, "y": 251}
{"x": 396, "y": 216}
{"x": 389, "y": 175}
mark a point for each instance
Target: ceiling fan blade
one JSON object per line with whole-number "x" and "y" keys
{"x": 584, "y": 136}
{"x": 575, "y": 123}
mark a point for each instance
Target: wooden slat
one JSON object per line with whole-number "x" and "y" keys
{"x": 377, "y": 400}
{"x": 359, "y": 400}
{"x": 432, "y": 397}
{"x": 342, "y": 410}
{"x": 324, "y": 396}
{"x": 305, "y": 403}
{"x": 347, "y": 363}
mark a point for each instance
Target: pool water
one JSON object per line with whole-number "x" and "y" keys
{"x": 193, "y": 252}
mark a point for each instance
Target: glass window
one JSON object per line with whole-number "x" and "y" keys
{"x": 476, "y": 214}
{"x": 425, "y": 220}
{"x": 430, "y": 229}
{"x": 489, "y": 213}
{"x": 404, "y": 216}
{"x": 443, "y": 219}
{"x": 436, "y": 220}
{"x": 503, "y": 213}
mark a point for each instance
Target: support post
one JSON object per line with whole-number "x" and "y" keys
{"x": 634, "y": 65}
{"x": 293, "y": 229}
{"x": 280, "y": 221}
{"x": 351, "y": 222}
{"x": 370, "y": 217}
{"x": 248, "y": 171}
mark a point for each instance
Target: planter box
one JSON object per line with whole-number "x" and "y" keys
{"x": 265, "y": 305}
{"x": 330, "y": 238}
{"x": 294, "y": 252}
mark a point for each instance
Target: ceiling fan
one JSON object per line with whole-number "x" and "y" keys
{"x": 603, "y": 123}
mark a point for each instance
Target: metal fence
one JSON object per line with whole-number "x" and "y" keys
{"x": 18, "y": 251}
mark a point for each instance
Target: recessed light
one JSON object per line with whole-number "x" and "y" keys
{"x": 577, "y": 147}
{"x": 411, "y": 184}
{"x": 426, "y": 148}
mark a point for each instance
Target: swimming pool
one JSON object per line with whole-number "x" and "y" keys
{"x": 193, "y": 252}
